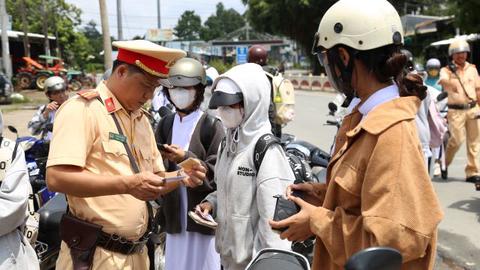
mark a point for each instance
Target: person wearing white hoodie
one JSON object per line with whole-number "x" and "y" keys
{"x": 243, "y": 203}
{"x": 15, "y": 252}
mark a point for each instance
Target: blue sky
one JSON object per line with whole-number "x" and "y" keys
{"x": 140, "y": 15}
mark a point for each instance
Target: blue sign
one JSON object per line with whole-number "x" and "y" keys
{"x": 242, "y": 52}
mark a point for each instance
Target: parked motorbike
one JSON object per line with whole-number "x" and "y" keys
{"x": 374, "y": 258}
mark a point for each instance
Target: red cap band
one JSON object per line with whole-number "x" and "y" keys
{"x": 154, "y": 64}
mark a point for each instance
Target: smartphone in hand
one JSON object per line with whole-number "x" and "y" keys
{"x": 162, "y": 147}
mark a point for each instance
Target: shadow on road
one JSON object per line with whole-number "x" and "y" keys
{"x": 469, "y": 205}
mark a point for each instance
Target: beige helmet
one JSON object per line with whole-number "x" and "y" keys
{"x": 187, "y": 72}
{"x": 361, "y": 25}
{"x": 458, "y": 46}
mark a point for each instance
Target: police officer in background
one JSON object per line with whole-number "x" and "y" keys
{"x": 103, "y": 156}
{"x": 461, "y": 81}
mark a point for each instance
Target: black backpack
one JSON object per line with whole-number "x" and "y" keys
{"x": 298, "y": 166}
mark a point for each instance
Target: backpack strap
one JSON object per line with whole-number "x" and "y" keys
{"x": 207, "y": 130}
{"x": 165, "y": 126}
{"x": 261, "y": 147}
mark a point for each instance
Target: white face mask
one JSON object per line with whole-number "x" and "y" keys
{"x": 181, "y": 97}
{"x": 231, "y": 118}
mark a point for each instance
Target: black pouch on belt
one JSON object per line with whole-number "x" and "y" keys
{"x": 81, "y": 237}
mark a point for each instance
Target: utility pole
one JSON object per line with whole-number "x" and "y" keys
{"x": 23, "y": 12}
{"x": 119, "y": 20}
{"x": 45, "y": 27}
{"x": 7, "y": 65}
{"x": 107, "y": 47}
{"x": 159, "y": 22}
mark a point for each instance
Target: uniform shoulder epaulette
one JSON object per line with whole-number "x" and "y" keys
{"x": 88, "y": 94}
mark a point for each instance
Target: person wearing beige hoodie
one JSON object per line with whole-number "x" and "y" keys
{"x": 378, "y": 191}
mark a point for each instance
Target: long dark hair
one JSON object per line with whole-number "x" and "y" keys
{"x": 389, "y": 63}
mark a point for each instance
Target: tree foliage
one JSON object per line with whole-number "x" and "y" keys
{"x": 189, "y": 26}
{"x": 224, "y": 21}
{"x": 63, "y": 18}
{"x": 221, "y": 23}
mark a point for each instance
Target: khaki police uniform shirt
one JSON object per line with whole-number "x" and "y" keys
{"x": 379, "y": 192}
{"x": 470, "y": 79}
{"x": 81, "y": 137}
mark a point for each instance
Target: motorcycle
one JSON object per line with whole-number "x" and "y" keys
{"x": 36, "y": 155}
{"x": 374, "y": 258}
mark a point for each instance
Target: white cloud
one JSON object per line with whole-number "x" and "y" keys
{"x": 140, "y": 15}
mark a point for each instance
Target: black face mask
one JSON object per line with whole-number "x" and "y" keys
{"x": 330, "y": 60}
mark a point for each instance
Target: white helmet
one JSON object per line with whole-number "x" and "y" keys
{"x": 458, "y": 46}
{"x": 360, "y": 24}
{"x": 54, "y": 84}
{"x": 433, "y": 63}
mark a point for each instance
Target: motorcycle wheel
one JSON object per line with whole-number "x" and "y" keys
{"x": 24, "y": 80}
{"x": 40, "y": 81}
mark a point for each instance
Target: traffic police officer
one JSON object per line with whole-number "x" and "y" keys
{"x": 103, "y": 155}
{"x": 461, "y": 81}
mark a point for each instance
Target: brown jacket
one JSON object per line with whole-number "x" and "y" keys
{"x": 379, "y": 193}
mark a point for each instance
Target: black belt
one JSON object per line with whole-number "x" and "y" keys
{"x": 121, "y": 245}
{"x": 462, "y": 106}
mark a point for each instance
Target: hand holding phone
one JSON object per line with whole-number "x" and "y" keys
{"x": 162, "y": 147}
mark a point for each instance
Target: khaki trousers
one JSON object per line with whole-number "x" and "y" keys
{"x": 461, "y": 123}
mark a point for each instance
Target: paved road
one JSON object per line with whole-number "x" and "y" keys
{"x": 459, "y": 237}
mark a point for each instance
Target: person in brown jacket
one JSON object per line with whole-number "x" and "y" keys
{"x": 378, "y": 192}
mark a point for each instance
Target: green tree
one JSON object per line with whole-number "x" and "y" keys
{"x": 188, "y": 26}
{"x": 222, "y": 22}
{"x": 63, "y": 18}
{"x": 466, "y": 15}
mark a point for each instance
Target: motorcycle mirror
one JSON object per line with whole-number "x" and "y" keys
{"x": 332, "y": 107}
{"x": 12, "y": 129}
{"x": 442, "y": 96}
{"x": 375, "y": 258}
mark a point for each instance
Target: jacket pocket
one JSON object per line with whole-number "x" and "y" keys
{"x": 238, "y": 241}
{"x": 347, "y": 178}
{"x": 114, "y": 148}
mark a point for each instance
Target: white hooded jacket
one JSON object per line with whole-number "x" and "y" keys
{"x": 244, "y": 203}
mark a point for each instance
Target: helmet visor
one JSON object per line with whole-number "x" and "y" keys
{"x": 220, "y": 98}
{"x": 183, "y": 81}
{"x": 329, "y": 69}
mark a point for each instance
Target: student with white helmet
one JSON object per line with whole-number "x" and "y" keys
{"x": 377, "y": 192}
{"x": 56, "y": 91}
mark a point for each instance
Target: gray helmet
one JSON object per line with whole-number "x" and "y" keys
{"x": 187, "y": 72}
{"x": 54, "y": 84}
{"x": 433, "y": 63}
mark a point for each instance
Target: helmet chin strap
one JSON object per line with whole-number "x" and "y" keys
{"x": 344, "y": 81}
